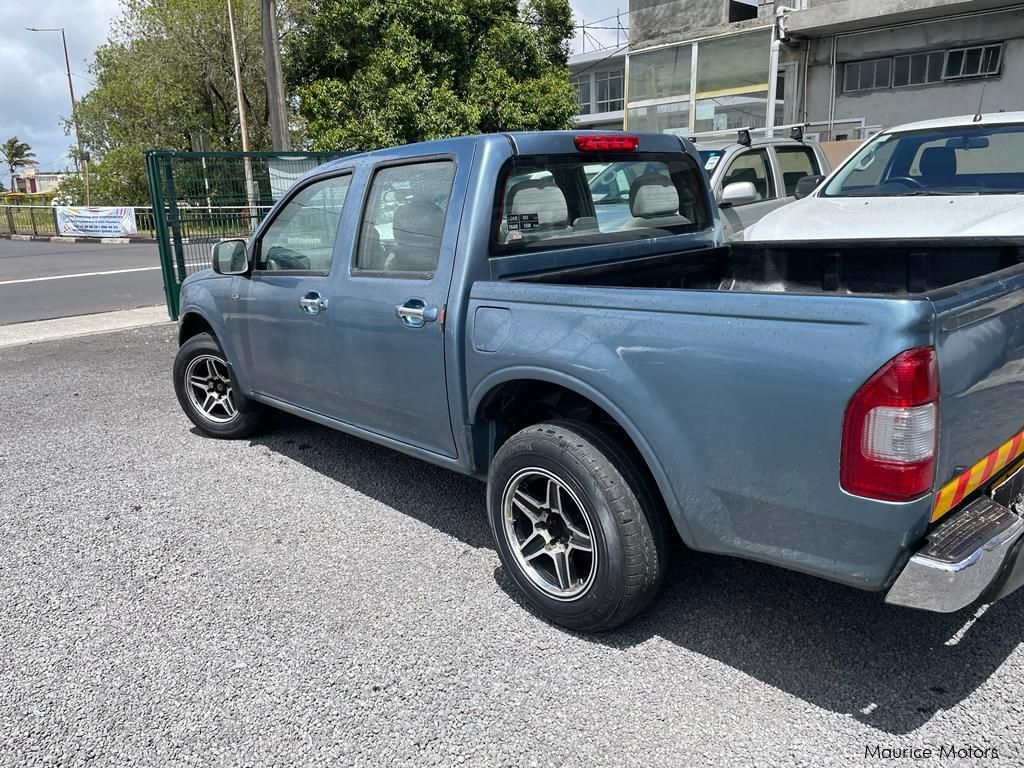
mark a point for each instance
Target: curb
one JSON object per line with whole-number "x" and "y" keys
{"x": 94, "y": 240}
{"x": 33, "y": 332}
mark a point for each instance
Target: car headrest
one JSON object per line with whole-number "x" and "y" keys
{"x": 742, "y": 174}
{"x": 938, "y": 161}
{"x": 653, "y": 195}
{"x": 418, "y": 223}
{"x": 541, "y": 197}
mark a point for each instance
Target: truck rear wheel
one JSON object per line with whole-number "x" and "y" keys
{"x": 202, "y": 382}
{"x": 576, "y": 525}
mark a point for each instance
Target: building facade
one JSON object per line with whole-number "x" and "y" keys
{"x": 599, "y": 80}
{"x": 843, "y": 68}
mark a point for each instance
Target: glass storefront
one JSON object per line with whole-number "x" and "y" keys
{"x": 731, "y": 85}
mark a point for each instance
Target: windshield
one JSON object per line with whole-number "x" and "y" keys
{"x": 974, "y": 160}
{"x": 560, "y": 201}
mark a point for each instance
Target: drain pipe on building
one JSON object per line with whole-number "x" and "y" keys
{"x": 778, "y": 35}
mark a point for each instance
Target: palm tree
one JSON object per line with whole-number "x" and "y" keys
{"x": 17, "y": 154}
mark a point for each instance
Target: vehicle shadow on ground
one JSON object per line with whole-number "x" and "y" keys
{"x": 833, "y": 646}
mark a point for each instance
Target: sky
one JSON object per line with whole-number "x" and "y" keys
{"x": 34, "y": 94}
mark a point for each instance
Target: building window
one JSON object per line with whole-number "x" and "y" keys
{"x": 973, "y": 62}
{"x": 867, "y": 75}
{"x": 609, "y": 90}
{"x": 922, "y": 68}
{"x": 581, "y": 85}
{"x": 917, "y": 69}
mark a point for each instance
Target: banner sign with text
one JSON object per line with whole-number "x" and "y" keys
{"x": 96, "y": 221}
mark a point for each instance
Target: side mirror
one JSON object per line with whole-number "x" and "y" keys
{"x": 229, "y": 258}
{"x": 807, "y": 185}
{"x": 738, "y": 193}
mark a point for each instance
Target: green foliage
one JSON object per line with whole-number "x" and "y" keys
{"x": 372, "y": 73}
{"x": 163, "y": 77}
{"x": 17, "y": 154}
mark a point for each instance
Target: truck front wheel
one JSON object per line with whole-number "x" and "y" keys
{"x": 202, "y": 382}
{"x": 576, "y": 525}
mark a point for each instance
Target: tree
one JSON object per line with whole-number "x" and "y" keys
{"x": 164, "y": 78}
{"x": 17, "y": 154}
{"x": 372, "y": 73}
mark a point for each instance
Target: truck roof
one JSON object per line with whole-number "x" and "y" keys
{"x": 522, "y": 142}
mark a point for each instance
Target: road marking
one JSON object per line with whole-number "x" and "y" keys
{"x": 78, "y": 274}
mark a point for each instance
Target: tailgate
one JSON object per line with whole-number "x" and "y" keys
{"x": 980, "y": 348}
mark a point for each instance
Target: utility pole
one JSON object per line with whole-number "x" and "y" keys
{"x": 83, "y": 159}
{"x": 243, "y": 123}
{"x": 275, "y": 81}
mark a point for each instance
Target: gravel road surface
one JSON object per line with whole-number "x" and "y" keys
{"x": 306, "y": 598}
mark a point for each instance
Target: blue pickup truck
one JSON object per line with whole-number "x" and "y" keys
{"x": 848, "y": 409}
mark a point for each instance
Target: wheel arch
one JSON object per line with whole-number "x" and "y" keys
{"x": 192, "y": 323}
{"x": 514, "y": 398}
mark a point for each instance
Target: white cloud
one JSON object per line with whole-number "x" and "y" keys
{"x": 34, "y": 92}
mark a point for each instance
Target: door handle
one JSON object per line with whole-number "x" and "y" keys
{"x": 415, "y": 313}
{"x": 313, "y": 303}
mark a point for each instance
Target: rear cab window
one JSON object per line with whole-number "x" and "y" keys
{"x": 558, "y": 201}
{"x": 795, "y": 163}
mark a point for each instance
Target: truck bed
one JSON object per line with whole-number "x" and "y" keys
{"x": 863, "y": 267}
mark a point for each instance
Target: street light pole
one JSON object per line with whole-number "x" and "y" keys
{"x": 82, "y": 161}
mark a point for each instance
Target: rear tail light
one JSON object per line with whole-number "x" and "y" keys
{"x": 890, "y": 430}
{"x": 610, "y": 143}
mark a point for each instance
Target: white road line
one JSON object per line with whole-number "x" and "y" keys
{"x": 79, "y": 274}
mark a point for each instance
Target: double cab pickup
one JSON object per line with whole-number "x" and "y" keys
{"x": 852, "y": 410}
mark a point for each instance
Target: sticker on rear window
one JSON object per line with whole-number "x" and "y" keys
{"x": 522, "y": 221}
{"x": 711, "y": 162}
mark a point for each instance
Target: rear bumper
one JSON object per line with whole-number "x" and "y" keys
{"x": 973, "y": 553}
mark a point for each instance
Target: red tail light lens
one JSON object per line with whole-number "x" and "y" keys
{"x": 611, "y": 143}
{"x": 891, "y": 428}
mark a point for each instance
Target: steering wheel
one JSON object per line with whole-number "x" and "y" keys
{"x": 909, "y": 181}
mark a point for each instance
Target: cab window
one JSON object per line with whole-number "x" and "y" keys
{"x": 753, "y": 166}
{"x": 795, "y": 163}
{"x": 404, "y": 218}
{"x": 301, "y": 236}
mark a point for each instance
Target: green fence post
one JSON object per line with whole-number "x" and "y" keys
{"x": 10, "y": 220}
{"x": 174, "y": 222}
{"x": 160, "y": 232}
{"x": 32, "y": 218}
{"x": 56, "y": 224}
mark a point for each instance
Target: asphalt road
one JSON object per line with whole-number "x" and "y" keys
{"x": 41, "y": 280}
{"x": 305, "y": 598}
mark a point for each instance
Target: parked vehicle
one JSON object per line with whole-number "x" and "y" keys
{"x": 950, "y": 178}
{"x": 848, "y": 411}
{"x": 751, "y": 177}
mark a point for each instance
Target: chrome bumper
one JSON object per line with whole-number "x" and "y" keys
{"x": 977, "y": 551}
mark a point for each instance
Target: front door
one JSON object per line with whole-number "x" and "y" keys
{"x": 391, "y": 344}
{"x": 754, "y": 166}
{"x": 287, "y": 303}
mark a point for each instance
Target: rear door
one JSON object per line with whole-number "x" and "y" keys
{"x": 755, "y": 166}
{"x": 391, "y": 336}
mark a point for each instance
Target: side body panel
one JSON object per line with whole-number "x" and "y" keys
{"x": 735, "y": 400}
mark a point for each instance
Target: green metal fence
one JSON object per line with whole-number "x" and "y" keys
{"x": 208, "y": 196}
{"x": 41, "y": 220}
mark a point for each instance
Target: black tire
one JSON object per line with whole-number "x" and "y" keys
{"x": 223, "y": 424}
{"x": 618, "y": 505}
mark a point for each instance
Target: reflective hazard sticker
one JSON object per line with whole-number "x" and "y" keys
{"x": 522, "y": 221}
